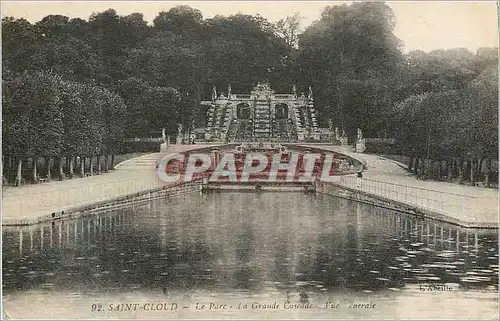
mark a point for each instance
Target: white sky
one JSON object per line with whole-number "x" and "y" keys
{"x": 420, "y": 24}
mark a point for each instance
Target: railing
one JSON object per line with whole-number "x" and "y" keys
{"x": 282, "y": 96}
{"x": 434, "y": 200}
{"x": 237, "y": 96}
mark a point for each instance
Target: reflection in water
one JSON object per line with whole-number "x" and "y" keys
{"x": 248, "y": 243}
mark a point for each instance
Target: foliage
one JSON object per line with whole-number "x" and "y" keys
{"x": 78, "y": 87}
{"x": 350, "y": 57}
{"x": 32, "y": 115}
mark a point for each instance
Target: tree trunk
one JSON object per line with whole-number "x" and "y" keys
{"x": 479, "y": 171}
{"x": 91, "y": 167}
{"x": 71, "y": 172}
{"x": 461, "y": 165}
{"x": 425, "y": 169}
{"x": 472, "y": 172}
{"x": 113, "y": 161}
{"x": 449, "y": 167}
{"x": 82, "y": 166}
{"x": 35, "y": 175}
{"x": 410, "y": 163}
{"x": 98, "y": 157}
{"x": 438, "y": 170}
{"x": 19, "y": 172}
{"x": 487, "y": 173}
{"x": 421, "y": 169}
{"x": 61, "y": 171}
{"x": 47, "y": 165}
{"x": 106, "y": 163}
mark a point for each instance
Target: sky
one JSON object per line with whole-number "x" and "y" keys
{"x": 422, "y": 25}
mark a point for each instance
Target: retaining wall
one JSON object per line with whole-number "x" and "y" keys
{"x": 110, "y": 204}
{"x": 380, "y": 201}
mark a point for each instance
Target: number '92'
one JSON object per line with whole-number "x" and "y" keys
{"x": 96, "y": 307}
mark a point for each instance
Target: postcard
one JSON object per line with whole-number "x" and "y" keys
{"x": 249, "y": 160}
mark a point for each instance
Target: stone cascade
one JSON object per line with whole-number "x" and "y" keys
{"x": 261, "y": 120}
{"x": 219, "y": 118}
{"x": 225, "y": 119}
{"x": 298, "y": 121}
{"x": 245, "y": 130}
{"x": 313, "y": 130}
{"x": 240, "y": 130}
{"x": 307, "y": 121}
{"x": 211, "y": 117}
{"x": 261, "y": 115}
{"x": 291, "y": 130}
{"x": 281, "y": 130}
{"x": 233, "y": 130}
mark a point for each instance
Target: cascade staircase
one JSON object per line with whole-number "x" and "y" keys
{"x": 280, "y": 130}
{"x": 262, "y": 120}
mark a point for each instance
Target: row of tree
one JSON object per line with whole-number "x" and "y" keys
{"x": 438, "y": 104}
{"x": 47, "y": 116}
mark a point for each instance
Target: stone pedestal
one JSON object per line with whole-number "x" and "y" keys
{"x": 163, "y": 147}
{"x": 300, "y": 136}
{"x": 360, "y": 145}
{"x": 343, "y": 141}
{"x": 178, "y": 140}
{"x": 316, "y": 136}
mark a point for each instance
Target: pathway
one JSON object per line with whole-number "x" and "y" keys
{"x": 387, "y": 178}
{"x": 27, "y": 203}
{"x": 384, "y": 177}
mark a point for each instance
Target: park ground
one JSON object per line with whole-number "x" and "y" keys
{"x": 477, "y": 206}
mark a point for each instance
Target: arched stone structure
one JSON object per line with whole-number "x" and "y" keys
{"x": 281, "y": 111}
{"x": 243, "y": 111}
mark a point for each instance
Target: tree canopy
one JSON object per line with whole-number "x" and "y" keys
{"x": 84, "y": 85}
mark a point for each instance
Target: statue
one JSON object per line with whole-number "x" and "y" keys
{"x": 163, "y": 136}
{"x": 179, "y": 129}
{"x": 360, "y": 134}
{"x": 337, "y": 133}
{"x": 360, "y": 142}
{"x": 229, "y": 90}
{"x": 343, "y": 132}
{"x": 294, "y": 91}
{"x": 310, "y": 95}
{"x": 214, "y": 93}
{"x": 330, "y": 124}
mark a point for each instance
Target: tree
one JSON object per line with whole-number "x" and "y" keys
{"x": 109, "y": 42}
{"x": 133, "y": 91}
{"x": 351, "y": 51}
{"x": 243, "y": 50}
{"x": 19, "y": 38}
{"x": 181, "y": 20}
{"x": 288, "y": 29}
{"x": 32, "y": 123}
{"x": 114, "y": 116}
{"x": 67, "y": 56}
